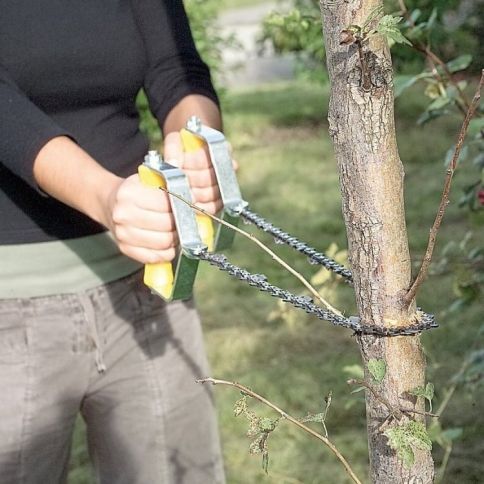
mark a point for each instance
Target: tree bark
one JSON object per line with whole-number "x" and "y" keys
{"x": 361, "y": 124}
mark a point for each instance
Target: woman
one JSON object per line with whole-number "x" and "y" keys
{"x": 78, "y": 330}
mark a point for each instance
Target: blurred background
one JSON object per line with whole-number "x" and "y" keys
{"x": 268, "y": 63}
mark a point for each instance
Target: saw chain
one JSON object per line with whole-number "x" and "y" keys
{"x": 314, "y": 257}
{"x": 259, "y": 281}
{"x": 176, "y": 281}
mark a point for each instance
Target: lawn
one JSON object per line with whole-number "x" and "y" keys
{"x": 288, "y": 173}
{"x": 232, "y": 4}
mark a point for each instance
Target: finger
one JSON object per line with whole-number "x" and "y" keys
{"x": 201, "y": 178}
{"x": 147, "y": 239}
{"x": 206, "y": 194}
{"x": 148, "y": 256}
{"x": 173, "y": 149}
{"x": 145, "y": 219}
{"x": 134, "y": 193}
{"x": 197, "y": 160}
{"x": 211, "y": 207}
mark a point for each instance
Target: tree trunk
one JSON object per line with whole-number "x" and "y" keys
{"x": 361, "y": 124}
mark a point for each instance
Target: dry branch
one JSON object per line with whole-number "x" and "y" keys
{"x": 444, "y": 201}
{"x": 288, "y": 417}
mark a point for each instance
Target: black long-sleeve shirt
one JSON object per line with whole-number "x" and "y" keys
{"x": 74, "y": 68}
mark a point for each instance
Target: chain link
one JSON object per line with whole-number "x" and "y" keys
{"x": 425, "y": 321}
{"x": 314, "y": 257}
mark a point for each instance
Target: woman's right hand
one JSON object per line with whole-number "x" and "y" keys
{"x": 141, "y": 221}
{"x": 138, "y": 216}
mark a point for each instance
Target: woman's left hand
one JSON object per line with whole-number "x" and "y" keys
{"x": 199, "y": 170}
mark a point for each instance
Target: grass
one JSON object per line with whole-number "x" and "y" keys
{"x": 289, "y": 174}
{"x": 232, "y": 4}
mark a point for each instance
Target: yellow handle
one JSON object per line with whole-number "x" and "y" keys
{"x": 158, "y": 277}
{"x": 205, "y": 226}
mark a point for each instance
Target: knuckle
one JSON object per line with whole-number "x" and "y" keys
{"x": 118, "y": 215}
{"x": 153, "y": 258}
{"x": 165, "y": 240}
{"x": 124, "y": 249}
{"x": 169, "y": 254}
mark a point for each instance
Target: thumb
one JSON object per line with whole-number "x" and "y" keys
{"x": 173, "y": 149}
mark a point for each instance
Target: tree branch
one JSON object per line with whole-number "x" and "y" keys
{"x": 424, "y": 268}
{"x": 288, "y": 417}
{"x": 264, "y": 247}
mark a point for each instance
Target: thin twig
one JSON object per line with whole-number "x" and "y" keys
{"x": 424, "y": 268}
{"x": 266, "y": 249}
{"x": 288, "y": 417}
{"x": 394, "y": 411}
{"x": 418, "y": 412}
{"x": 445, "y": 462}
{"x": 449, "y": 393}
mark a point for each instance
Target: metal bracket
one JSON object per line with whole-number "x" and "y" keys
{"x": 178, "y": 283}
{"x": 232, "y": 200}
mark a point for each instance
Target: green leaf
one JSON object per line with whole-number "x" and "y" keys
{"x": 476, "y": 127}
{"x": 459, "y": 63}
{"x": 372, "y": 16}
{"x": 401, "y": 83}
{"x": 240, "y": 406}
{"x": 417, "y": 436}
{"x": 415, "y": 15}
{"x": 313, "y": 417}
{"x": 435, "y": 432}
{"x": 464, "y": 152}
{"x": 398, "y": 442}
{"x": 407, "y": 437}
{"x": 433, "y": 17}
{"x": 265, "y": 462}
{"x": 439, "y": 103}
{"x": 406, "y": 455}
{"x": 433, "y": 89}
{"x": 387, "y": 26}
{"x": 267, "y": 424}
{"x": 257, "y": 445}
{"x": 397, "y": 37}
{"x": 377, "y": 369}
{"x": 453, "y": 433}
{"x": 427, "y": 116}
{"x": 354, "y": 371}
{"x": 253, "y": 429}
{"x": 427, "y": 393}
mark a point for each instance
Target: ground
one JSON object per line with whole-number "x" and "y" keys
{"x": 288, "y": 174}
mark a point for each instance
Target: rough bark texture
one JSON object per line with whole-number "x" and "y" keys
{"x": 361, "y": 120}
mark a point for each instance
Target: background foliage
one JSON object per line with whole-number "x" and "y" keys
{"x": 279, "y": 134}
{"x": 451, "y": 27}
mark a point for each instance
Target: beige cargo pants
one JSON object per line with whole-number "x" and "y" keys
{"x": 126, "y": 361}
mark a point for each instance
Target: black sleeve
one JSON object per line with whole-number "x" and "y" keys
{"x": 175, "y": 68}
{"x": 24, "y": 129}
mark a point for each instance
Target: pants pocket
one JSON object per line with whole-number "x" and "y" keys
{"x": 13, "y": 332}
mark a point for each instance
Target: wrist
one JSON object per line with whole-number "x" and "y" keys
{"x": 101, "y": 210}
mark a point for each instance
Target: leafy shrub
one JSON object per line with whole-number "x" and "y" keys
{"x": 449, "y": 26}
